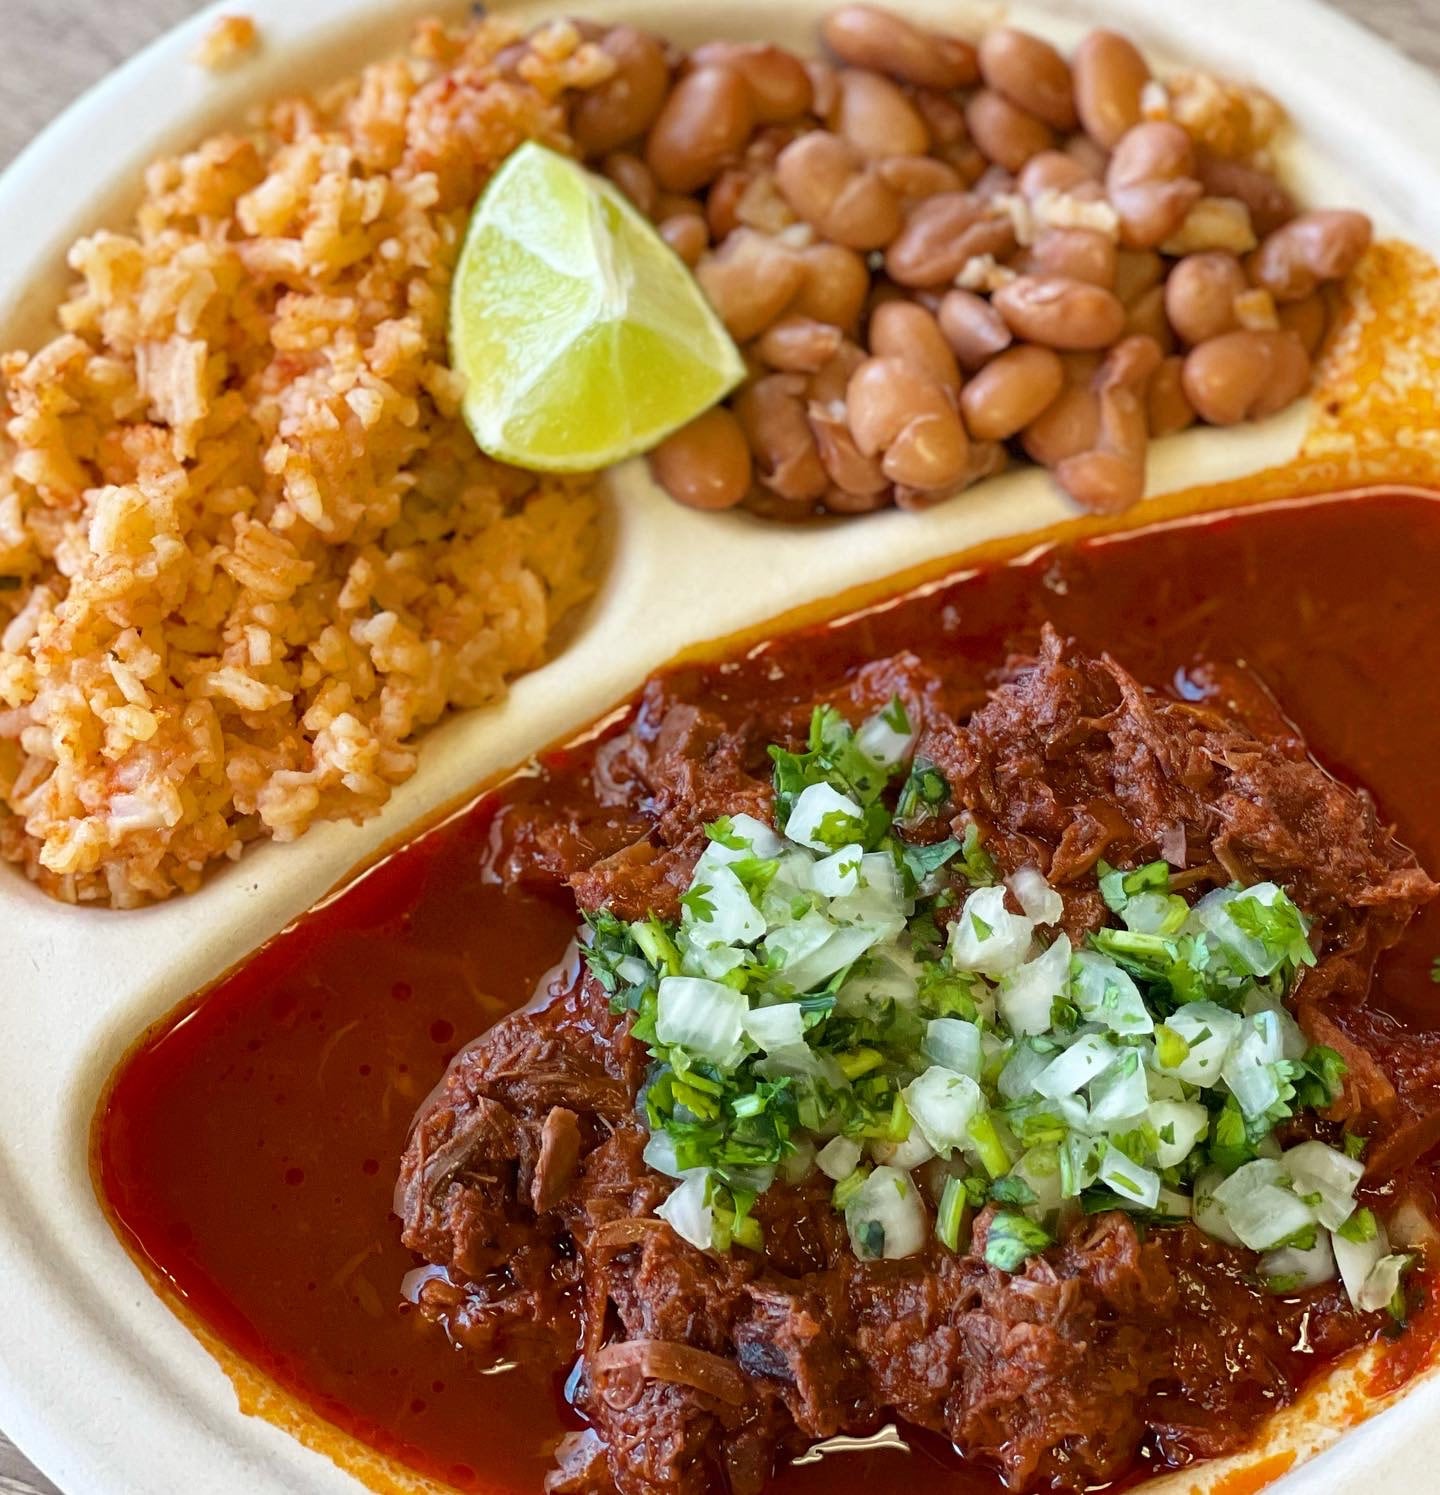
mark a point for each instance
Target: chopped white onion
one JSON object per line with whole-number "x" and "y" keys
{"x": 1148, "y": 912}
{"x": 1119, "y": 1094}
{"x": 1105, "y": 994}
{"x": 942, "y": 1104}
{"x": 1127, "y": 1178}
{"x": 839, "y": 873}
{"x": 1038, "y": 899}
{"x": 777, "y": 1027}
{"x": 1040, "y": 1168}
{"x": 1208, "y": 1214}
{"x": 886, "y": 1216}
{"x": 1075, "y": 1067}
{"x": 987, "y": 937}
{"x": 812, "y": 805}
{"x": 1209, "y": 1030}
{"x": 839, "y": 1158}
{"x": 954, "y": 1043}
{"x": 795, "y": 1166}
{"x": 703, "y": 1017}
{"x": 1297, "y": 1268}
{"x": 1173, "y": 1202}
{"x": 1212, "y": 914}
{"x": 1183, "y": 1123}
{"x": 908, "y": 1154}
{"x": 1027, "y": 996}
{"x": 809, "y": 952}
{"x": 1317, "y": 1169}
{"x": 729, "y": 917}
{"x": 687, "y": 1210}
{"x": 882, "y": 975}
{"x": 757, "y": 838}
{"x": 1293, "y": 1042}
{"x": 882, "y": 744}
{"x": 879, "y": 900}
{"x": 1249, "y": 1068}
{"x": 659, "y": 1154}
{"x": 1382, "y": 1284}
{"x": 1022, "y": 1069}
{"x": 714, "y": 961}
{"x": 632, "y": 970}
{"x": 1260, "y": 1207}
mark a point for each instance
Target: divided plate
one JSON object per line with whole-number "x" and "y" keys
{"x": 99, "y": 1382}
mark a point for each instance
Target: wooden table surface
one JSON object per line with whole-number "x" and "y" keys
{"x": 50, "y": 50}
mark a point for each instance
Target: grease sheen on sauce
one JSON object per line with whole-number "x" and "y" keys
{"x": 247, "y": 1150}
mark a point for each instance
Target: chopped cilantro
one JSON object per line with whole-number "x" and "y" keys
{"x": 1012, "y": 1189}
{"x": 896, "y": 717}
{"x": 1013, "y": 1239}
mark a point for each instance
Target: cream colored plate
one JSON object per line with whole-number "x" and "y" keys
{"x": 99, "y": 1383}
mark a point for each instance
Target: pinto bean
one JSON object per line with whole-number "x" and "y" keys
{"x": 1145, "y": 317}
{"x": 1068, "y": 426}
{"x": 1110, "y": 75}
{"x": 1058, "y": 312}
{"x": 894, "y": 410}
{"x": 944, "y": 118}
{"x": 1307, "y": 319}
{"x": 850, "y": 470}
{"x": 1030, "y": 73}
{"x": 780, "y": 86}
{"x": 835, "y": 190}
{"x": 1053, "y": 171}
{"x": 986, "y": 458}
{"x": 829, "y": 384}
{"x": 703, "y": 125}
{"x": 1081, "y": 253}
{"x": 836, "y": 283}
{"x": 1269, "y": 204}
{"x": 1245, "y": 375}
{"x": 1012, "y": 390}
{"x": 839, "y": 500}
{"x": 1313, "y": 248}
{"x": 749, "y": 281}
{"x": 907, "y": 331}
{"x": 1091, "y": 156}
{"x": 914, "y": 178}
{"x": 687, "y": 234}
{"x": 867, "y": 36}
{"x": 772, "y": 412}
{"x": 632, "y": 176}
{"x": 975, "y": 331}
{"x": 1005, "y": 133}
{"x": 722, "y": 201}
{"x": 1137, "y": 271}
{"x": 706, "y": 464}
{"x": 1200, "y": 295}
{"x": 876, "y": 117}
{"x": 824, "y": 90}
{"x": 623, "y": 107}
{"x": 1111, "y": 476}
{"x": 799, "y": 345}
{"x": 1151, "y": 183}
{"x": 1167, "y": 406}
{"x": 941, "y": 235}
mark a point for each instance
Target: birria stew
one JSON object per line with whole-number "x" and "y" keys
{"x": 988, "y": 1037}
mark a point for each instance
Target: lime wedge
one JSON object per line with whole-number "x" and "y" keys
{"x": 582, "y": 338}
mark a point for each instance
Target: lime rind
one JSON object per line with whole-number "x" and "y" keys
{"x": 583, "y": 339}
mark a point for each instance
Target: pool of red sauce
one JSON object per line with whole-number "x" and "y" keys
{"x": 246, "y": 1150}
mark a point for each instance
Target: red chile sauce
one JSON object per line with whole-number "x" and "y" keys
{"x": 247, "y": 1150}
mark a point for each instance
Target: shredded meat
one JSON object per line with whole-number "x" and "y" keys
{"x": 701, "y": 1372}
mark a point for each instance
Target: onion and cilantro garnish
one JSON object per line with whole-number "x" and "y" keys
{"x": 837, "y": 997}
